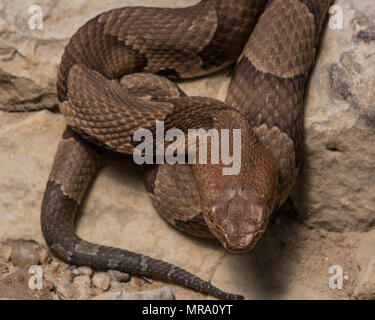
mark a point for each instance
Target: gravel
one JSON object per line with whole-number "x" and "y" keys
{"x": 163, "y": 293}
{"x": 365, "y": 289}
{"x": 83, "y": 287}
{"x": 84, "y": 271}
{"x": 101, "y": 281}
{"x": 24, "y": 255}
{"x": 65, "y": 289}
{"x": 118, "y": 276}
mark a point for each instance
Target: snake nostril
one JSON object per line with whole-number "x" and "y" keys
{"x": 247, "y": 227}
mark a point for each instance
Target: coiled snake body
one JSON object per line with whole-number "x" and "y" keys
{"x": 274, "y": 43}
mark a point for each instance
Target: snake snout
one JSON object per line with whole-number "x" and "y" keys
{"x": 243, "y": 224}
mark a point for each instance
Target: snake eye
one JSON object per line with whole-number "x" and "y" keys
{"x": 245, "y": 192}
{"x": 230, "y": 193}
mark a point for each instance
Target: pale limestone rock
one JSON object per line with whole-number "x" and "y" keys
{"x": 85, "y": 271}
{"x": 336, "y": 190}
{"x": 365, "y": 256}
{"x": 101, "y": 281}
{"x": 83, "y": 287}
{"x": 365, "y": 289}
{"x": 119, "y": 276}
{"x": 24, "y": 256}
{"x": 65, "y": 289}
{"x": 164, "y": 293}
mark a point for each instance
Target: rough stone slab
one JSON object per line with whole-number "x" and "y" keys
{"x": 27, "y": 149}
{"x": 336, "y": 189}
{"x": 16, "y": 287}
{"x": 365, "y": 255}
{"x": 158, "y": 294}
{"x": 365, "y": 289}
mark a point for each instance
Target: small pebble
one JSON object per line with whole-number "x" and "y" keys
{"x": 48, "y": 284}
{"x": 101, "y": 281}
{"x": 85, "y": 271}
{"x": 84, "y": 280}
{"x": 83, "y": 287}
{"x": 24, "y": 256}
{"x": 365, "y": 289}
{"x": 65, "y": 289}
{"x": 53, "y": 266}
{"x": 98, "y": 291}
{"x": 163, "y": 293}
{"x": 75, "y": 272}
{"x": 118, "y": 276}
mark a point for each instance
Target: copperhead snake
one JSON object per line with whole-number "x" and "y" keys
{"x": 111, "y": 83}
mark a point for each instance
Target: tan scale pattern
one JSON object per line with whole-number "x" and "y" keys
{"x": 282, "y": 148}
{"x": 110, "y": 115}
{"x": 148, "y": 85}
{"x": 285, "y": 47}
{"x": 267, "y": 99}
{"x": 172, "y": 42}
{"x": 171, "y": 182}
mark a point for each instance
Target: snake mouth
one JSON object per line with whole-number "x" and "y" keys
{"x": 241, "y": 243}
{"x": 244, "y": 243}
{"x": 237, "y": 242}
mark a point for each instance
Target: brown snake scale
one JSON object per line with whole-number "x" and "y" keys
{"x": 274, "y": 43}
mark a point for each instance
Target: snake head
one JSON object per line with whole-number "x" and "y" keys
{"x": 237, "y": 208}
{"x": 240, "y": 220}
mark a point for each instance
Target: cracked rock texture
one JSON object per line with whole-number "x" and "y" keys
{"x": 336, "y": 189}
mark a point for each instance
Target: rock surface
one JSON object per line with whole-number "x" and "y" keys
{"x": 101, "y": 281}
{"x": 336, "y": 191}
{"x": 24, "y": 256}
{"x": 65, "y": 289}
{"x": 115, "y": 275}
{"x": 158, "y": 294}
{"x": 365, "y": 289}
{"x": 15, "y": 286}
{"x": 365, "y": 255}
{"x": 83, "y": 287}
